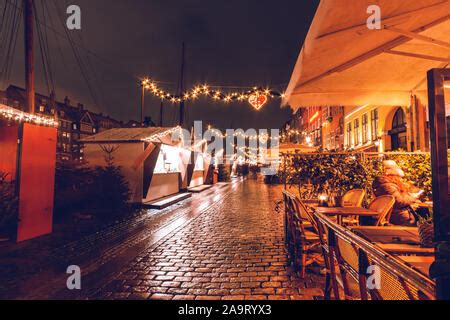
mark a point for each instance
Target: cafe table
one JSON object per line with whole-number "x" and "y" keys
{"x": 396, "y": 240}
{"x": 418, "y": 263}
{"x": 341, "y": 212}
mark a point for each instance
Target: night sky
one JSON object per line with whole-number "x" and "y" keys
{"x": 229, "y": 43}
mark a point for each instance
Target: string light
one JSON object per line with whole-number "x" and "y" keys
{"x": 161, "y": 135}
{"x": 20, "y": 116}
{"x": 257, "y": 97}
{"x": 239, "y": 134}
{"x": 292, "y": 132}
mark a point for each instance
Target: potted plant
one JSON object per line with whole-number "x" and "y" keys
{"x": 8, "y": 208}
{"x": 426, "y": 231}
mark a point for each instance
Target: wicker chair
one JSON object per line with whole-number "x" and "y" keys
{"x": 299, "y": 239}
{"x": 348, "y": 258}
{"x": 383, "y": 205}
{"x": 327, "y": 244}
{"x": 394, "y": 286}
{"x": 378, "y": 275}
{"x": 353, "y": 198}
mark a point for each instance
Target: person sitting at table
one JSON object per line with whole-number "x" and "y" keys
{"x": 405, "y": 194}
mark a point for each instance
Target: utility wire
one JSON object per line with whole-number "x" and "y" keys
{"x": 10, "y": 36}
{"x": 44, "y": 57}
{"x": 78, "y": 60}
{"x": 47, "y": 47}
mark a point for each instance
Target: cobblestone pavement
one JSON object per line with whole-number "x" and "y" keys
{"x": 233, "y": 250}
{"x": 37, "y": 269}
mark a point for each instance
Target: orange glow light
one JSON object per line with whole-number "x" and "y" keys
{"x": 314, "y": 117}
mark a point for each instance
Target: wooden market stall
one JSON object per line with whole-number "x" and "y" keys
{"x": 201, "y": 170}
{"x": 152, "y": 160}
{"x": 28, "y": 158}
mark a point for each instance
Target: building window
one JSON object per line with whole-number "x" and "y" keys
{"x": 374, "y": 124}
{"x": 357, "y": 140}
{"x": 365, "y": 129}
{"x": 41, "y": 109}
{"x": 349, "y": 135}
{"x": 398, "y": 132}
{"x": 74, "y": 126}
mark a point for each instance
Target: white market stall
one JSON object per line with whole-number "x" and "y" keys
{"x": 201, "y": 169}
{"x": 152, "y": 160}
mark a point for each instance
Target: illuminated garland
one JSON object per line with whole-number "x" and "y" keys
{"x": 158, "y": 136}
{"x": 20, "y": 116}
{"x": 257, "y": 97}
{"x": 263, "y": 138}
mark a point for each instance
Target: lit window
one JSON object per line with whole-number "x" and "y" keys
{"x": 357, "y": 140}
{"x": 41, "y": 108}
{"x": 374, "y": 124}
{"x": 365, "y": 128}
{"x": 349, "y": 135}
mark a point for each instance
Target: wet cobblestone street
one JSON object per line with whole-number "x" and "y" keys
{"x": 224, "y": 243}
{"x": 233, "y": 250}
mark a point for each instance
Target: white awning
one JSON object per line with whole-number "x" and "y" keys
{"x": 342, "y": 62}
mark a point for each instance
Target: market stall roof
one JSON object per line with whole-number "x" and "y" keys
{"x": 342, "y": 62}
{"x": 132, "y": 135}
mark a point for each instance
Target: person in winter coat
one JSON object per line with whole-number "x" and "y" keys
{"x": 405, "y": 194}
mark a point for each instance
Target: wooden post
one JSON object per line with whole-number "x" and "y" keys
{"x": 29, "y": 55}
{"x": 440, "y": 270}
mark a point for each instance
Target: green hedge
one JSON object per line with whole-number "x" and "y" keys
{"x": 8, "y": 206}
{"x": 316, "y": 173}
{"x": 100, "y": 191}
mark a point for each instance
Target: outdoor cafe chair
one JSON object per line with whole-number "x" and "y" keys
{"x": 327, "y": 245}
{"x": 288, "y": 213}
{"x": 348, "y": 257}
{"x": 378, "y": 275}
{"x": 299, "y": 239}
{"x": 383, "y": 205}
{"x": 394, "y": 286}
{"x": 351, "y": 199}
